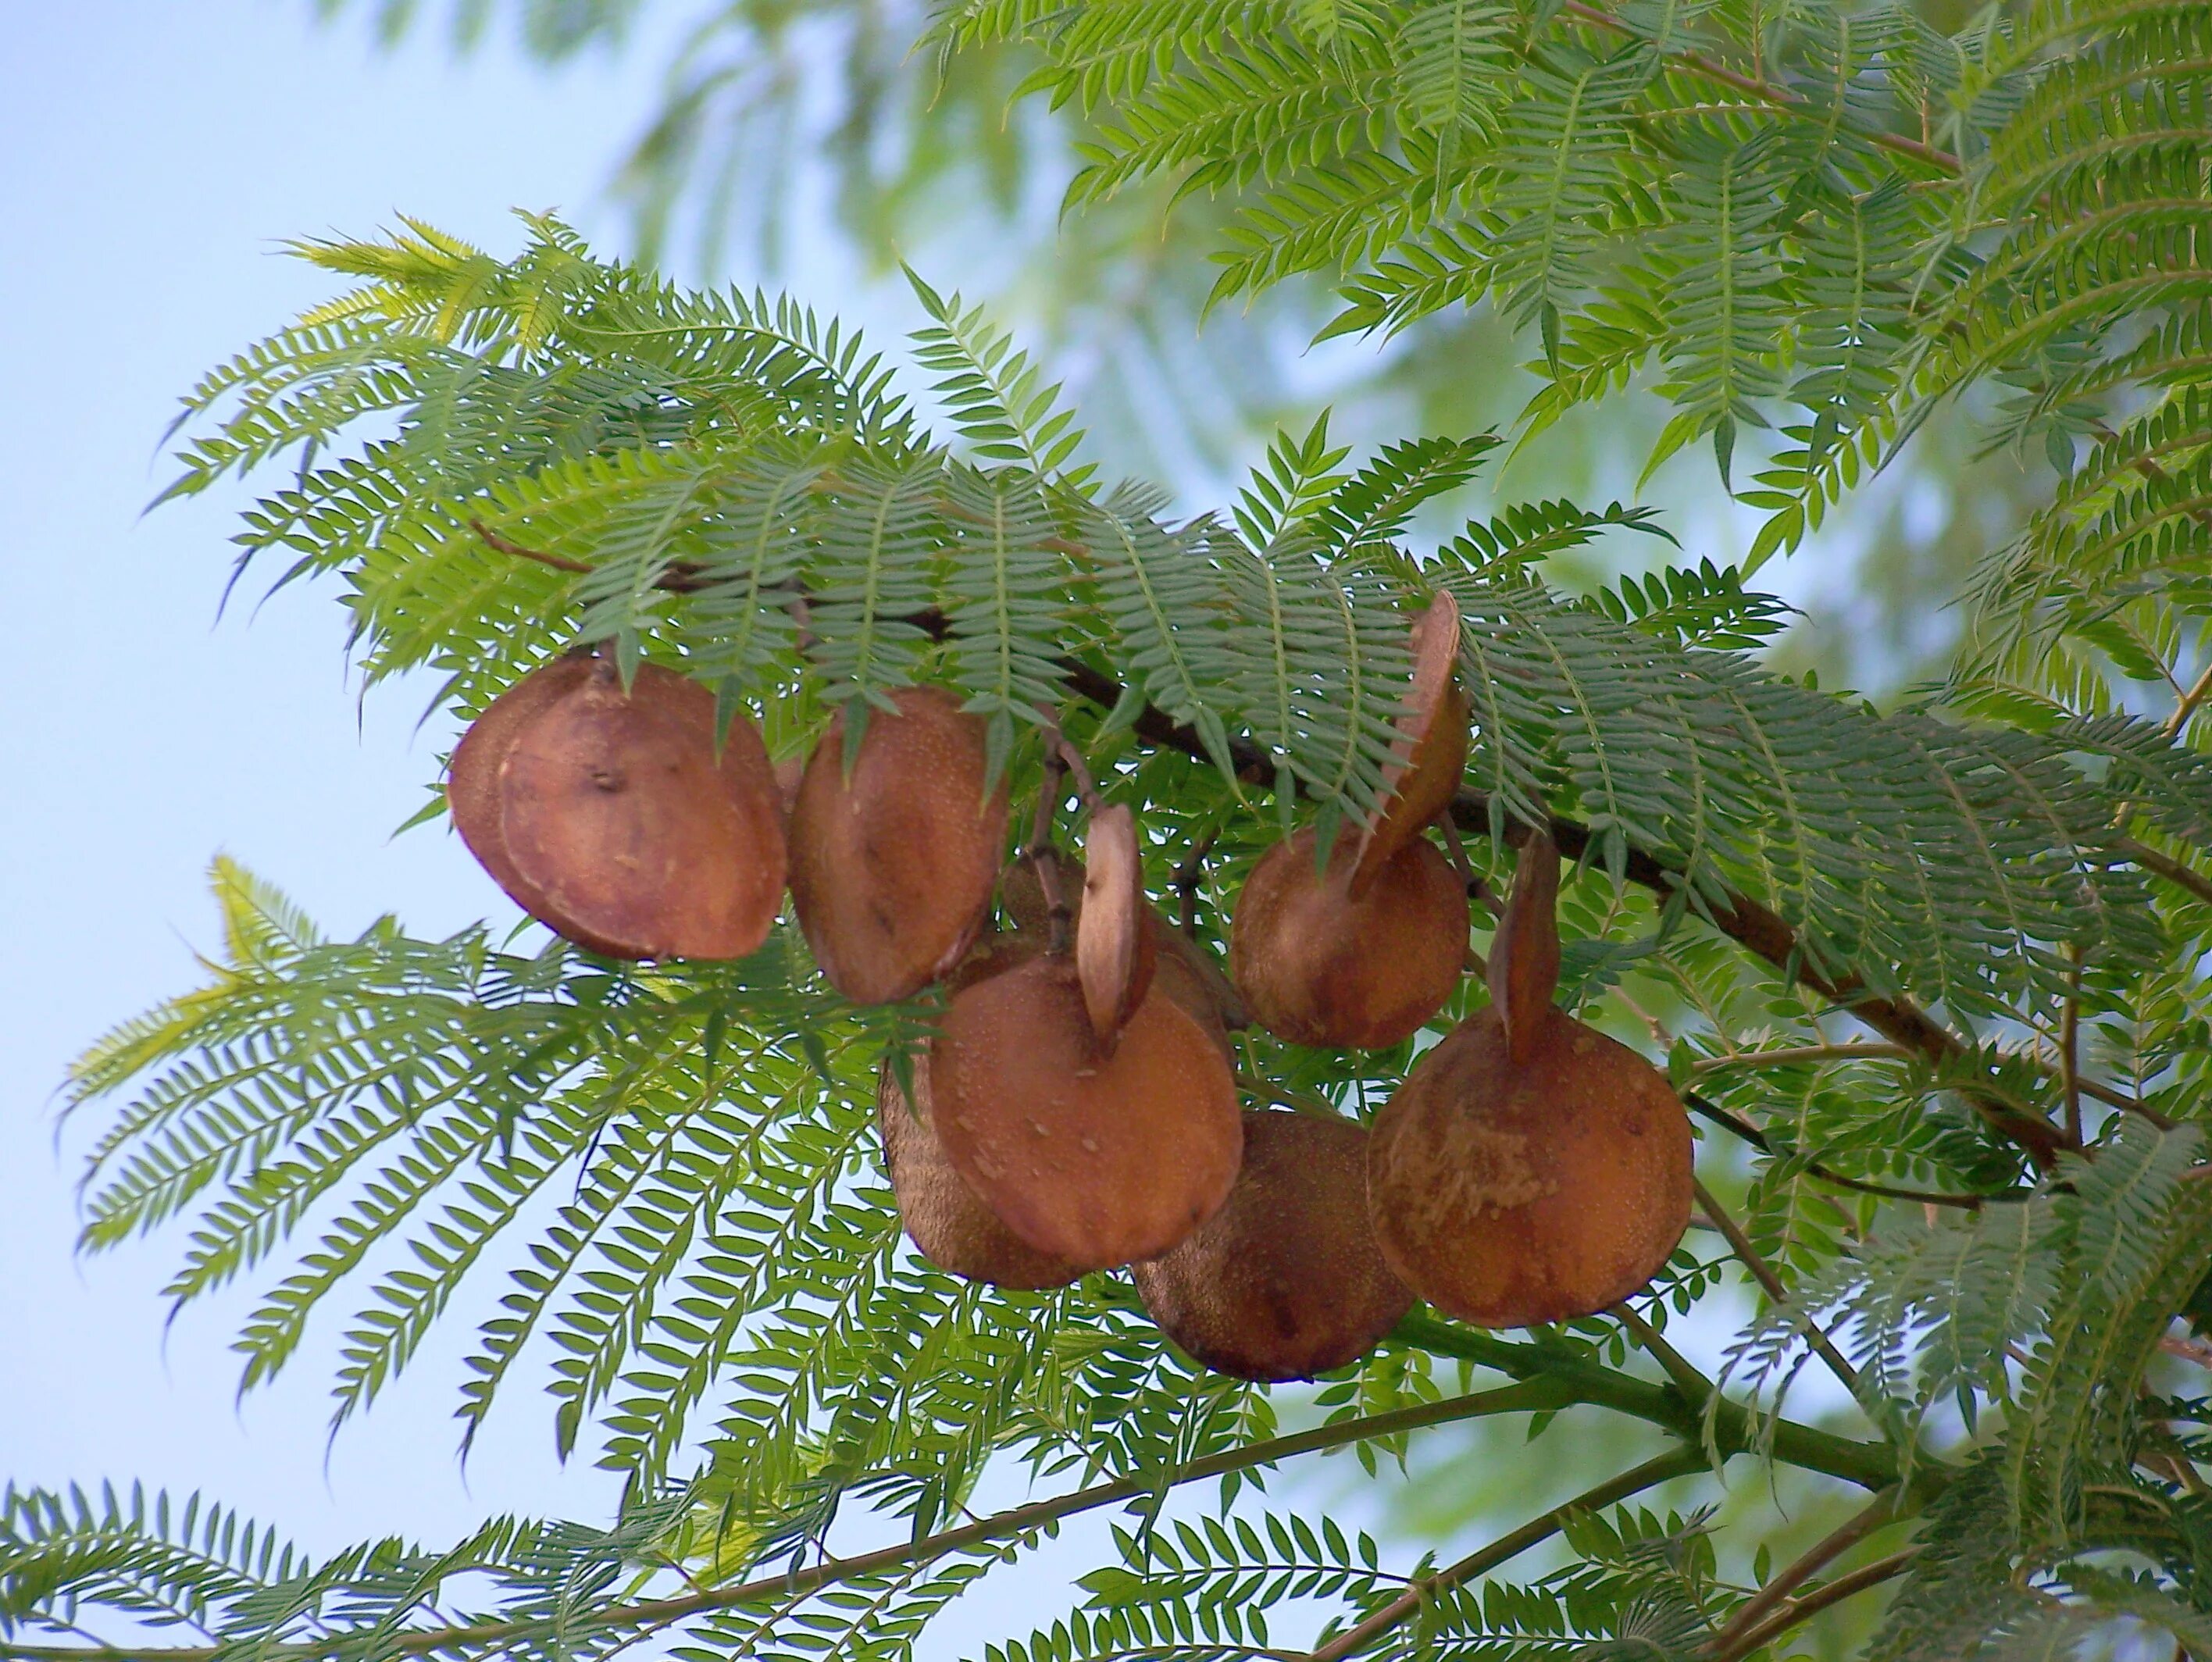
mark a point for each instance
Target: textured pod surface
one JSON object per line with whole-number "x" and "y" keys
{"x": 627, "y": 832}
{"x": 892, "y": 866}
{"x": 472, "y": 779}
{"x": 1096, "y": 1160}
{"x": 1509, "y": 1195}
{"x": 948, "y": 1225}
{"x": 1429, "y": 756}
{"x": 1318, "y": 967}
{"x": 1285, "y": 1281}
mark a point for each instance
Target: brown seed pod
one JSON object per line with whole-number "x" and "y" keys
{"x": 1114, "y": 949}
{"x": 1199, "y": 978}
{"x": 1098, "y": 1160}
{"x": 1429, "y": 755}
{"x": 1525, "y": 954}
{"x": 947, "y": 1224}
{"x": 625, "y": 831}
{"x": 1510, "y": 1193}
{"x": 1284, "y": 1282}
{"x": 1319, "y": 968}
{"x": 892, "y": 866}
{"x": 472, "y": 777}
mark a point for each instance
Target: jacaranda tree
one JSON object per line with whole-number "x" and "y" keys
{"x": 1928, "y": 978}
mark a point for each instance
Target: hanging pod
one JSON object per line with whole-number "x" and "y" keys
{"x": 1318, "y": 966}
{"x": 943, "y": 1218}
{"x": 1095, "y": 1151}
{"x": 1428, "y": 757}
{"x": 1185, "y": 971}
{"x": 1530, "y": 1169}
{"x": 1285, "y": 1281}
{"x": 893, "y": 865}
{"x": 613, "y": 816}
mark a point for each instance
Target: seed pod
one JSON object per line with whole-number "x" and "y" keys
{"x": 1524, "y": 955}
{"x": 472, "y": 778}
{"x": 1317, "y": 967}
{"x": 948, "y": 1225}
{"x": 1198, "y": 976}
{"x": 1284, "y": 1282}
{"x": 624, "y": 830}
{"x": 892, "y": 866}
{"x": 1098, "y": 1160}
{"x": 1510, "y": 1193}
{"x": 1429, "y": 755}
{"x": 1115, "y": 950}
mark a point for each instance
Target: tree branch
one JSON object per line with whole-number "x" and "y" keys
{"x": 1766, "y": 92}
{"x": 1525, "y": 1396}
{"x": 1353, "y": 1640}
{"x": 1759, "y": 1139}
{"x": 1880, "y": 1511}
{"x": 1743, "y": 918}
{"x": 1803, "y": 1609}
{"x": 1735, "y": 1429}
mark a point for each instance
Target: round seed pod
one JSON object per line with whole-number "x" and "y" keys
{"x": 1508, "y": 1194}
{"x": 622, "y": 828}
{"x": 1095, "y": 1159}
{"x": 893, "y": 865}
{"x": 942, "y": 1217}
{"x": 1429, "y": 755}
{"x": 1284, "y": 1282}
{"x": 1317, "y": 967}
{"x": 472, "y": 775}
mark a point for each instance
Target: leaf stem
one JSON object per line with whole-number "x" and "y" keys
{"x": 1763, "y": 1272}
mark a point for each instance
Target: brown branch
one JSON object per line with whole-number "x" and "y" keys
{"x": 1357, "y": 1638}
{"x": 1830, "y": 1592}
{"x": 2166, "y": 866}
{"x": 1765, "y": 91}
{"x": 1882, "y": 1510}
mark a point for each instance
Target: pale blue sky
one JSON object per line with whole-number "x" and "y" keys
{"x": 152, "y": 154}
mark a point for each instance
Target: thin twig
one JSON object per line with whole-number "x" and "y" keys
{"x": 1881, "y": 1510}
{"x": 1830, "y": 1592}
{"x": 2166, "y": 866}
{"x": 1357, "y": 1638}
{"x": 1780, "y": 97}
{"x": 2069, "y": 1048}
{"x": 1763, "y": 1272}
{"x": 1750, "y": 1133}
{"x": 1190, "y": 877}
{"x": 1800, "y": 1055}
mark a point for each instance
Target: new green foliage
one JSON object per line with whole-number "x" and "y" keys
{"x": 1931, "y": 975}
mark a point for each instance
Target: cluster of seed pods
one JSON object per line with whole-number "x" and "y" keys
{"x": 1078, "y": 1109}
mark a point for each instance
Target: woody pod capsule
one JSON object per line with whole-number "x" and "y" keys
{"x": 1361, "y": 952}
{"x": 1087, "y": 1109}
{"x": 1529, "y": 1168}
{"x": 619, "y": 816}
